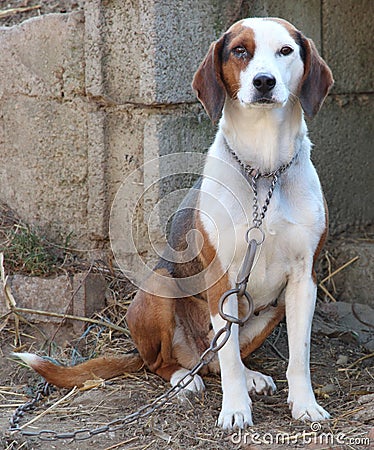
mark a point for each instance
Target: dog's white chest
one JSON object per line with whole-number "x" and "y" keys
{"x": 291, "y": 225}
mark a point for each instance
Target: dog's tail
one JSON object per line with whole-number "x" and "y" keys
{"x": 104, "y": 368}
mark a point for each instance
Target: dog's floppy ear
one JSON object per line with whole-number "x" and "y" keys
{"x": 317, "y": 79}
{"x": 208, "y": 84}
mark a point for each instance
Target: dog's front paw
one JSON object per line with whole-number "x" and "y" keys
{"x": 191, "y": 385}
{"x": 311, "y": 411}
{"x": 259, "y": 383}
{"x": 231, "y": 419}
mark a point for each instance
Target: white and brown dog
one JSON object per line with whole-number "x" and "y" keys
{"x": 258, "y": 78}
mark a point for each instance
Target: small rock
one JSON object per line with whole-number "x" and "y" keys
{"x": 366, "y": 412}
{"x": 366, "y": 399}
{"x": 342, "y": 360}
{"x": 328, "y": 389}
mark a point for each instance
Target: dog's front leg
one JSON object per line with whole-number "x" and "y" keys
{"x": 236, "y": 403}
{"x": 300, "y": 303}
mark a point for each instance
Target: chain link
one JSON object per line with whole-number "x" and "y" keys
{"x": 254, "y": 174}
{"x": 259, "y": 216}
{"x": 43, "y": 391}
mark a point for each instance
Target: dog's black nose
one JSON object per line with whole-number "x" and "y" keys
{"x": 264, "y": 82}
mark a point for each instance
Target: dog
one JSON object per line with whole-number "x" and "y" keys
{"x": 257, "y": 81}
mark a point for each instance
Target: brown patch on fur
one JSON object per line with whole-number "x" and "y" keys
{"x": 151, "y": 321}
{"x": 232, "y": 66}
{"x": 208, "y": 84}
{"x": 192, "y": 331}
{"x": 317, "y": 79}
{"x": 172, "y": 332}
{"x": 216, "y": 279}
{"x": 99, "y": 368}
{"x": 220, "y": 70}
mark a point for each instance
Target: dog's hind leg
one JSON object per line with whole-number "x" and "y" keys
{"x": 152, "y": 323}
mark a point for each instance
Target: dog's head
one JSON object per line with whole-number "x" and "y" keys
{"x": 262, "y": 63}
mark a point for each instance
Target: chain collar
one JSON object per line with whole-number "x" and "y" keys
{"x": 253, "y": 172}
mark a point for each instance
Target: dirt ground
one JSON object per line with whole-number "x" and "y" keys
{"x": 342, "y": 374}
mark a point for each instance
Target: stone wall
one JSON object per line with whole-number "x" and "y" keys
{"x": 89, "y": 96}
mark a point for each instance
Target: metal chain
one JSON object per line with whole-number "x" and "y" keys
{"x": 254, "y": 174}
{"x": 252, "y": 171}
{"x": 259, "y": 216}
{"x": 43, "y": 391}
{"x": 222, "y": 335}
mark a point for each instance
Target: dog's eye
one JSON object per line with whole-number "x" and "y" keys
{"x": 286, "y": 50}
{"x": 239, "y": 51}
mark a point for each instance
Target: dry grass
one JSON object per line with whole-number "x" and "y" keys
{"x": 191, "y": 424}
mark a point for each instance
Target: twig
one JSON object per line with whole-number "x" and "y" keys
{"x": 14, "y": 309}
{"x": 339, "y": 269}
{"x": 327, "y": 256}
{"x": 357, "y": 361}
{"x": 12, "y": 11}
{"x": 321, "y": 284}
{"x": 69, "y": 316}
{"x": 325, "y": 290}
{"x": 11, "y": 405}
{"x": 11, "y": 302}
{"x": 112, "y": 447}
{"x": 350, "y": 413}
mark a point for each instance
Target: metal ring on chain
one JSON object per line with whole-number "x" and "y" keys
{"x": 214, "y": 346}
{"x": 260, "y": 231}
{"x": 228, "y": 317}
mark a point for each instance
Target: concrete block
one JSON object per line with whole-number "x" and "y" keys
{"x": 151, "y": 50}
{"x": 42, "y": 294}
{"x": 97, "y": 203}
{"x": 304, "y": 14}
{"x": 81, "y": 295}
{"x": 124, "y": 132}
{"x": 173, "y": 133}
{"x": 43, "y": 57}
{"x": 347, "y": 43}
{"x": 44, "y": 129}
{"x": 343, "y": 134}
{"x": 88, "y": 293}
{"x": 185, "y": 30}
{"x": 44, "y": 168}
{"x": 135, "y": 136}
{"x": 141, "y": 208}
{"x": 93, "y": 48}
